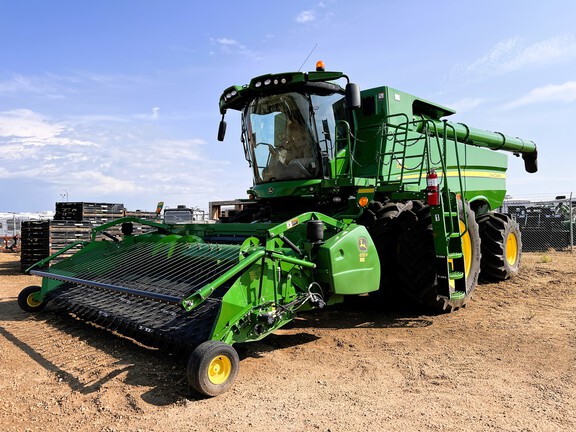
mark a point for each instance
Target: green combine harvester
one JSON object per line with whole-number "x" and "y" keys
{"x": 354, "y": 193}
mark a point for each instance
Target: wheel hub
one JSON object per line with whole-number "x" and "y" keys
{"x": 219, "y": 369}
{"x": 511, "y": 249}
{"x": 32, "y": 302}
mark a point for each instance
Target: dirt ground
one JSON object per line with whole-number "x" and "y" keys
{"x": 507, "y": 362}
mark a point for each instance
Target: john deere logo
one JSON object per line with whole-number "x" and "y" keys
{"x": 362, "y": 244}
{"x": 270, "y": 190}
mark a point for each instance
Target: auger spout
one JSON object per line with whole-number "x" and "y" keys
{"x": 492, "y": 140}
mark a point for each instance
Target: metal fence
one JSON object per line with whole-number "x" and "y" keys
{"x": 545, "y": 224}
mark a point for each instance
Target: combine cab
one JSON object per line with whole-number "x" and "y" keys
{"x": 354, "y": 193}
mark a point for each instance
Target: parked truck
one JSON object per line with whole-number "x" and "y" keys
{"x": 354, "y": 192}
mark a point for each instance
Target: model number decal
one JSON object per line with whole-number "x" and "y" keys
{"x": 292, "y": 223}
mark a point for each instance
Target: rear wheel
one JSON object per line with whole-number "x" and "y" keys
{"x": 212, "y": 368}
{"x": 501, "y": 247}
{"x": 417, "y": 273}
{"x": 26, "y": 299}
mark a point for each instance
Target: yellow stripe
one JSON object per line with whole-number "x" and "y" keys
{"x": 481, "y": 174}
{"x": 366, "y": 190}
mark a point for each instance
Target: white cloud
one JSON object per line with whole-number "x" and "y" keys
{"x": 550, "y": 93}
{"x": 515, "y": 53}
{"x": 306, "y": 16}
{"x": 229, "y": 42}
{"x": 23, "y": 84}
{"x": 23, "y": 123}
{"x": 232, "y": 46}
{"x": 95, "y": 182}
{"x": 56, "y": 86}
{"x": 154, "y": 115}
{"x": 109, "y": 160}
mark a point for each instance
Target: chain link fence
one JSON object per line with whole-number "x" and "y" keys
{"x": 545, "y": 224}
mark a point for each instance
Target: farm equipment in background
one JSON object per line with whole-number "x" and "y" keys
{"x": 183, "y": 215}
{"x": 545, "y": 224}
{"x": 10, "y": 243}
{"x": 353, "y": 193}
{"x": 10, "y": 227}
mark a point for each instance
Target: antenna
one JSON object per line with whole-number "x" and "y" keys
{"x": 306, "y": 59}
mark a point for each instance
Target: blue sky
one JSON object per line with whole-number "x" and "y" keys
{"x": 117, "y": 101}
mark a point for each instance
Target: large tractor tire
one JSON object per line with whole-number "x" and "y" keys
{"x": 501, "y": 247}
{"x": 381, "y": 220}
{"x": 417, "y": 274}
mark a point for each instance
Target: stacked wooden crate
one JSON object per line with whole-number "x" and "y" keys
{"x": 73, "y": 222}
{"x": 139, "y": 228}
{"x": 97, "y": 213}
{"x": 35, "y": 244}
{"x": 65, "y": 232}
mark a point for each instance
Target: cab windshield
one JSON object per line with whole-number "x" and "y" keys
{"x": 289, "y": 135}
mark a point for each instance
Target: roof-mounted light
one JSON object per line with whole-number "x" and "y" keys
{"x": 320, "y": 67}
{"x": 230, "y": 95}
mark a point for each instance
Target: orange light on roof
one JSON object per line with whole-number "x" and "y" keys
{"x": 363, "y": 202}
{"x": 320, "y": 67}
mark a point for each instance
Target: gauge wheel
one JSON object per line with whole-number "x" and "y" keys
{"x": 212, "y": 368}
{"x": 27, "y": 301}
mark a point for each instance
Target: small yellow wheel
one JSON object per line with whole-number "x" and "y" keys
{"x": 212, "y": 368}
{"x": 27, "y": 299}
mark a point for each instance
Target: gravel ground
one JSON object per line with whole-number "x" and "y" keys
{"x": 507, "y": 362}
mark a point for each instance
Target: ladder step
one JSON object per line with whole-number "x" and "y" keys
{"x": 455, "y": 255}
{"x": 454, "y": 235}
{"x": 456, "y": 275}
{"x": 457, "y": 295}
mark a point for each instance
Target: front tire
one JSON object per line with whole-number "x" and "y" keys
{"x": 501, "y": 247}
{"x": 212, "y": 368}
{"x": 381, "y": 220}
{"x": 417, "y": 272}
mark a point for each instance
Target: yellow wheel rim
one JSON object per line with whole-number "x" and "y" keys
{"x": 32, "y": 302}
{"x": 219, "y": 369}
{"x": 511, "y": 249}
{"x": 466, "y": 248}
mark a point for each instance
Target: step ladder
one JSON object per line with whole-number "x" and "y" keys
{"x": 447, "y": 219}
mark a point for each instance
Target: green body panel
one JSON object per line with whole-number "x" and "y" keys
{"x": 253, "y": 307}
{"x": 349, "y": 262}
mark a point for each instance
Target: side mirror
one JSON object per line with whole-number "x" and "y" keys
{"x": 221, "y": 130}
{"x": 326, "y": 130}
{"x": 352, "y": 96}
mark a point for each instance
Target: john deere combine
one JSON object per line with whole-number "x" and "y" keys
{"x": 353, "y": 193}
